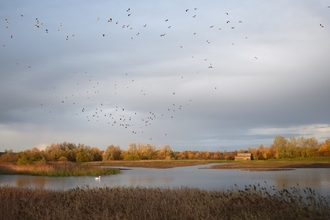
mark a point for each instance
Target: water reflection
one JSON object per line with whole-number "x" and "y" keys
{"x": 313, "y": 178}
{"x": 318, "y": 179}
{"x": 38, "y": 182}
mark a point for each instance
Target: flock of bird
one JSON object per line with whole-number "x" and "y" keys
{"x": 86, "y": 90}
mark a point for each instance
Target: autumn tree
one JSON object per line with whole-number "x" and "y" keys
{"x": 97, "y": 154}
{"x": 216, "y": 155}
{"x": 112, "y": 153}
{"x": 30, "y": 156}
{"x": 84, "y": 154}
{"x": 132, "y": 152}
{"x": 324, "y": 150}
{"x": 9, "y": 156}
{"x": 147, "y": 152}
{"x": 280, "y": 144}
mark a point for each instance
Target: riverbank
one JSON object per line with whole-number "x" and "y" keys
{"x": 274, "y": 165}
{"x": 97, "y": 168}
{"x": 280, "y": 164}
{"x": 55, "y": 169}
{"x": 254, "y": 202}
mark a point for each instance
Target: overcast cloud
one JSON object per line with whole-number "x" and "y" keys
{"x": 197, "y": 75}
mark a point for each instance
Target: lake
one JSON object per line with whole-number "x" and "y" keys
{"x": 191, "y": 176}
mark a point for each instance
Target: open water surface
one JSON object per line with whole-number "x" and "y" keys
{"x": 191, "y": 176}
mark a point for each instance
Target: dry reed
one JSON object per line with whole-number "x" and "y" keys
{"x": 253, "y": 202}
{"x": 55, "y": 169}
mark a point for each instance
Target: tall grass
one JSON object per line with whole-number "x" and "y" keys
{"x": 253, "y": 202}
{"x": 56, "y": 169}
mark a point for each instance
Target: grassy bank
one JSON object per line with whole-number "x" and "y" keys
{"x": 224, "y": 164}
{"x": 279, "y": 164}
{"x": 55, "y": 169}
{"x": 254, "y": 202}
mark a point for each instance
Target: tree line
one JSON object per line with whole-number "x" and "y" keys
{"x": 281, "y": 148}
{"x": 292, "y": 148}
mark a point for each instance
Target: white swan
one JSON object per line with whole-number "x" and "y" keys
{"x": 98, "y": 178}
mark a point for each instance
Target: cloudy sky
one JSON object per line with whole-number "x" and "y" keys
{"x": 197, "y": 75}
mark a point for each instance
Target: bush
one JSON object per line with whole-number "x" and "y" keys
{"x": 62, "y": 158}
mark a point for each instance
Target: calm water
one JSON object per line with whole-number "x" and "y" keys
{"x": 318, "y": 179}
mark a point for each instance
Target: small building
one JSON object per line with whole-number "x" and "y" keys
{"x": 243, "y": 156}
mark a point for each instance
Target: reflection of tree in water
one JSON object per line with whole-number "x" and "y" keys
{"x": 325, "y": 182}
{"x": 311, "y": 180}
{"x": 142, "y": 180}
{"x": 35, "y": 182}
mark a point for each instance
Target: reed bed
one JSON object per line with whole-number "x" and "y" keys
{"x": 253, "y": 202}
{"x": 56, "y": 169}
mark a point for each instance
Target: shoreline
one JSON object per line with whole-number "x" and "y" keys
{"x": 264, "y": 165}
{"x": 271, "y": 165}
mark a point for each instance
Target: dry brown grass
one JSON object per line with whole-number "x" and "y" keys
{"x": 27, "y": 168}
{"x": 254, "y": 202}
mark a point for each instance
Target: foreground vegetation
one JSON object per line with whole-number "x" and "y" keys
{"x": 55, "y": 169}
{"x": 253, "y": 202}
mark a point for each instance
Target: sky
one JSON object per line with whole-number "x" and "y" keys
{"x": 196, "y": 75}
